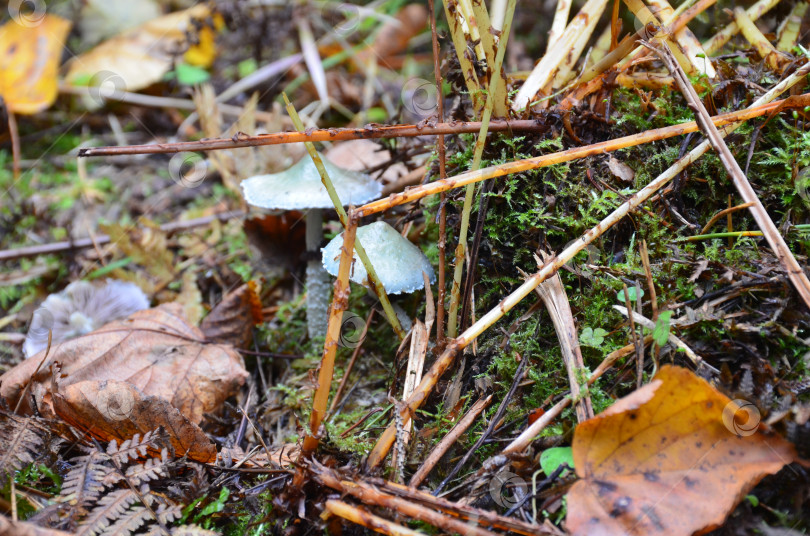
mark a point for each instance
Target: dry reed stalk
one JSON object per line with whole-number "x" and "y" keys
{"x": 646, "y": 16}
{"x": 373, "y": 496}
{"x": 772, "y": 235}
{"x": 325, "y": 372}
{"x": 689, "y": 43}
{"x": 554, "y": 297}
{"x": 327, "y": 134}
{"x": 543, "y": 72}
{"x": 565, "y": 71}
{"x": 646, "y": 80}
{"x": 456, "y": 22}
{"x": 575, "y": 153}
{"x": 716, "y": 42}
{"x": 447, "y": 357}
{"x": 559, "y": 22}
{"x": 366, "y": 519}
{"x": 776, "y": 60}
{"x": 448, "y": 441}
{"x": 788, "y": 33}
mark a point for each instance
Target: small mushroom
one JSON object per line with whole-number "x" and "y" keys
{"x": 300, "y": 188}
{"x": 397, "y": 261}
{"x": 79, "y": 309}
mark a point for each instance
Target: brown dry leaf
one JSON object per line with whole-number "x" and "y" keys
{"x": 29, "y": 63}
{"x": 362, "y": 155}
{"x": 393, "y": 36}
{"x": 21, "y": 528}
{"x": 620, "y": 169}
{"x": 147, "y": 244}
{"x": 110, "y": 410}
{"x": 231, "y": 321}
{"x": 190, "y": 298}
{"x": 155, "y": 350}
{"x": 139, "y": 57}
{"x": 664, "y": 451}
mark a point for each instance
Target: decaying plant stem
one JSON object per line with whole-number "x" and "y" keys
{"x": 339, "y": 302}
{"x": 555, "y": 263}
{"x": 366, "y": 519}
{"x": 480, "y": 142}
{"x": 553, "y": 295}
{"x": 714, "y": 44}
{"x": 772, "y": 234}
{"x": 374, "y": 279}
{"x": 447, "y": 441}
{"x": 575, "y": 153}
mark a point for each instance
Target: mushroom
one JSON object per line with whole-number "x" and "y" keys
{"x": 79, "y": 309}
{"x": 398, "y": 262}
{"x": 300, "y": 188}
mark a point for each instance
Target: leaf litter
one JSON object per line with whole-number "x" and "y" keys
{"x": 209, "y": 393}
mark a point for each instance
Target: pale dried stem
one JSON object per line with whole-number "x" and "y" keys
{"x": 715, "y": 43}
{"x": 455, "y": 20}
{"x": 537, "y": 162}
{"x": 776, "y": 60}
{"x": 366, "y": 519}
{"x": 775, "y": 240}
{"x": 447, "y": 357}
{"x": 788, "y": 34}
{"x": 689, "y": 43}
{"x": 554, "y": 297}
{"x": 448, "y": 441}
{"x": 543, "y": 72}
{"x": 566, "y": 69}
{"x": 559, "y": 22}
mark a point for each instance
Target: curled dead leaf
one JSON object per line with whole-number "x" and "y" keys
{"x": 231, "y": 321}
{"x": 155, "y": 350}
{"x": 676, "y": 445}
{"x": 110, "y": 410}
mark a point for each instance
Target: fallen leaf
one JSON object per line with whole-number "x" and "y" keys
{"x": 22, "y": 528}
{"x": 362, "y": 155}
{"x": 155, "y": 350}
{"x": 110, "y": 410}
{"x": 138, "y": 57}
{"x": 673, "y": 447}
{"x": 191, "y": 298}
{"x": 102, "y": 19}
{"x": 620, "y": 169}
{"x": 393, "y": 37}
{"x": 231, "y": 321}
{"x": 29, "y": 63}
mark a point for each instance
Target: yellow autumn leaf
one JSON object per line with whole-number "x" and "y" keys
{"x": 29, "y": 63}
{"x": 673, "y": 458}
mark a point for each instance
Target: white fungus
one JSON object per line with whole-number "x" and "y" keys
{"x": 300, "y": 187}
{"x": 81, "y": 308}
{"x": 398, "y": 263}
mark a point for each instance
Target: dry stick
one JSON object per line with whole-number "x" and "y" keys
{"x": 339, "y": 301}
{"x": 636, "y": 343}
{"x": 83, "y": 243}
{"x": 374, "y": 279}
{"x": 437, "y": 74}
{"x": 447, "y": 441}
{"x": 647, "y": 323}
{"x": 371, "y": 495}
{"x": 553, "y": 295}
{"x": 525, "y": 438}
{"x": 349, "y": 367}
{"x": 459, "y": 509}
{"x": 460, "y": 43}
{"x": 493, "y": 422}
{"x": 776, "y": 60}
{"x": 325, "y": 134}
{"x": 763, "y": 220}
{"x": 480, "y": 142}
{"x": 559, "y": 22}
{"x": 367, "y": 519}
{"x": 448, "y": 356}
{"x": 788, "y": 34}
{"x": 722, "y": 37}
{"x": 575, "y": 153}
{"x": 722, "y": 213}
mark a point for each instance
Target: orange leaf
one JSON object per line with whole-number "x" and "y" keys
{"x": 662, "y": 461}
{"x": 155, "y": 350}
{"x": 29, "y": 61}
{"x": 110, "y": 410}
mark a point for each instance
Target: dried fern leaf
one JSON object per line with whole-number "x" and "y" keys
{"x": 152, "y": 469}
{"x": 109, "y": 509}
{"x": 85, "y": 480}
{"x": 20, "y": 440}
{"x": 130, "y": 521}
{"x": 133, "y": 448}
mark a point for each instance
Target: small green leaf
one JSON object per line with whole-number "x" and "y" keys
{"x": 190, "y": 75}
{"x": 630, "y": 292}
{"x": 661, "y": 330}
{"x": 554, "y": 457}
{"x": 246, "y": 67}
{"x": 217, "y": 505}
{"x": 592, "y": 337}
{"x": 752, "y": 499}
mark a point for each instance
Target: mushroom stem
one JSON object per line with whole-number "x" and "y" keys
{"x": 316, "y": 277}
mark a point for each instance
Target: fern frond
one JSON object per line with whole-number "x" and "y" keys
{"x": 152, "y": 469}
{"x": 19, "y": 441}
{"x": 85, "y": 481}
{"x": 130, "y": 521}
{"x": 133, "y": 448}
{"x": 109, "y": 509}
